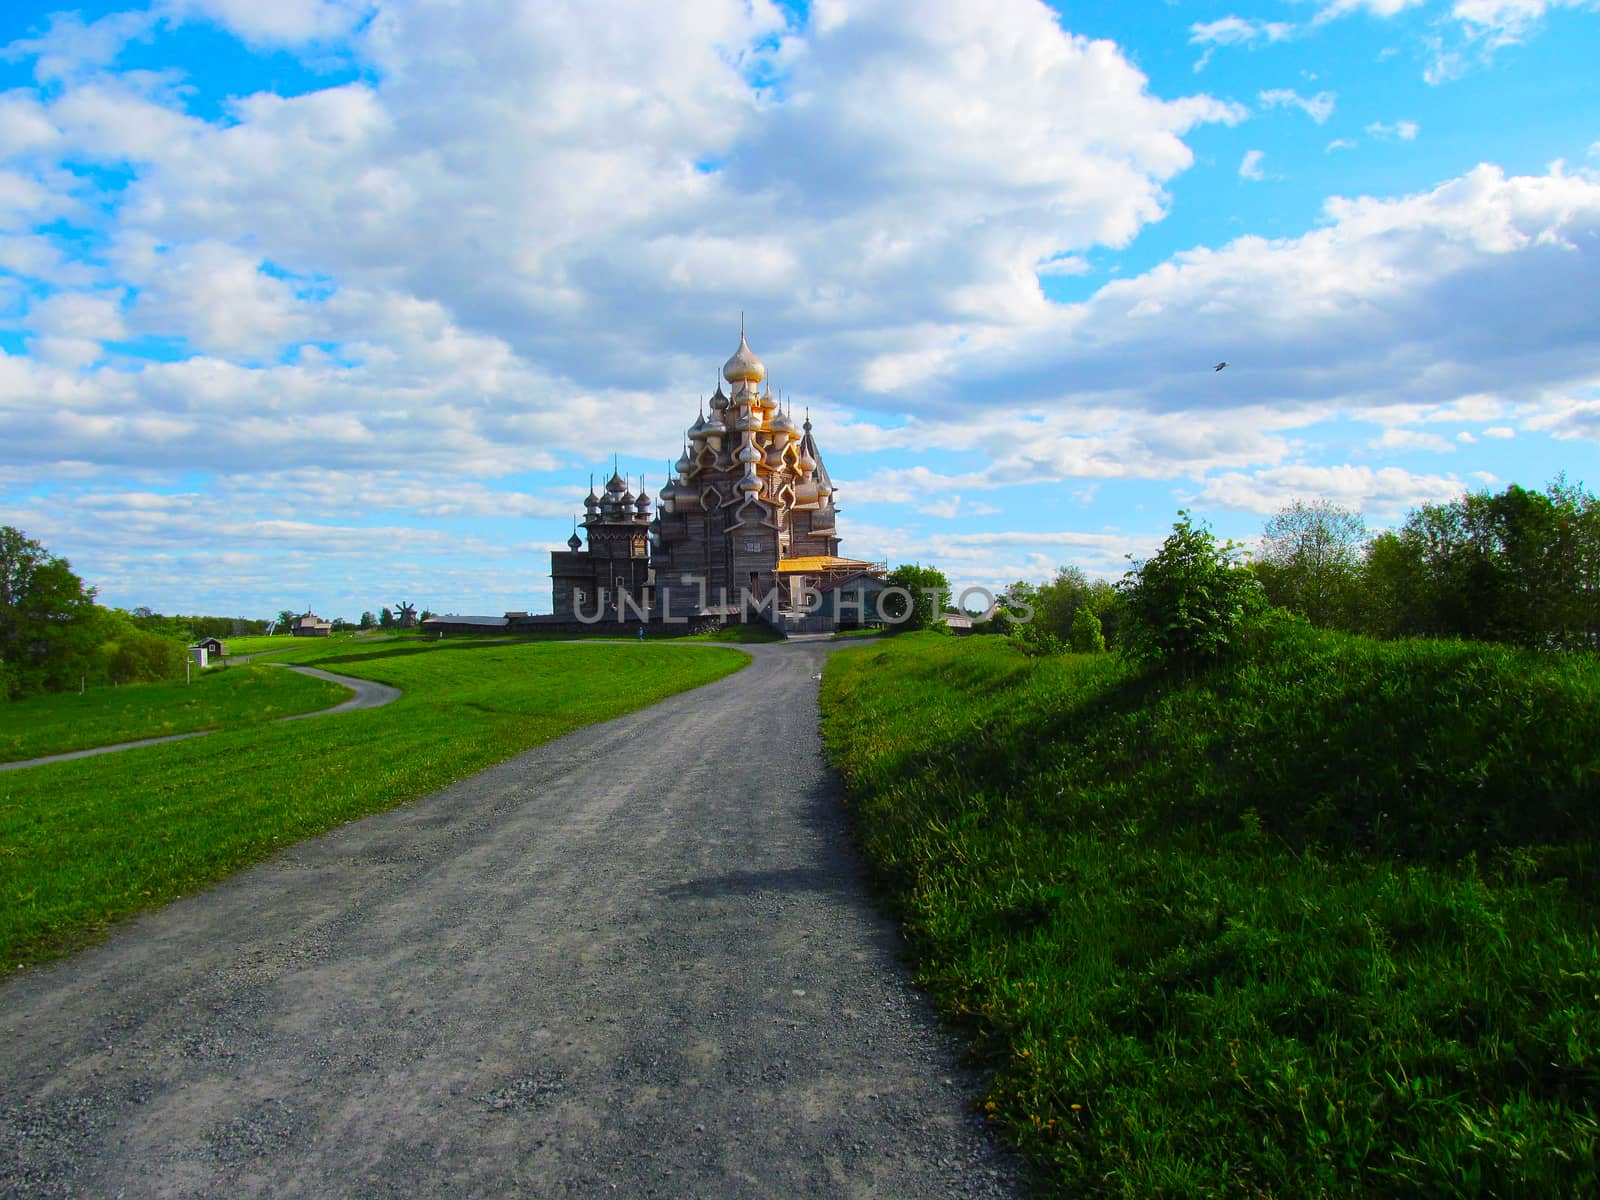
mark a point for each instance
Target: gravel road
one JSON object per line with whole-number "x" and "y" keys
{"x": 635, "y": 961}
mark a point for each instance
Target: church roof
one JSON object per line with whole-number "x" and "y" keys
{"x": 816, "y": 564}
{"x": 808, "y": 447}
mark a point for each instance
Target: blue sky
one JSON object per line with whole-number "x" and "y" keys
{"x": 330, "y": 303}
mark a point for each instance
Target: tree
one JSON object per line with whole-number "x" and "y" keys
{"x": 1310, "y": 561}
{"x": 1086, "y": 634}
{"x": 925, "y": 609}
{"x": 46, "y": 618}
{"x": 1521, "y": 567}
{"x": 286, "y": 620}
{"x": 1192, "y": 601}
{"x": 386, "y": 618}
{"x": 368, "y": 620}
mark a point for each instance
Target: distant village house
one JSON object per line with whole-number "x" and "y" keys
{"x": 311, "y": 625}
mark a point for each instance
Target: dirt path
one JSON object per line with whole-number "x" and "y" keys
{"x": 367, "y": 695}
{"x": 636, "y": 961}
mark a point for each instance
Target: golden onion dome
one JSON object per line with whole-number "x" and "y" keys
{"x": 744, "y": 366}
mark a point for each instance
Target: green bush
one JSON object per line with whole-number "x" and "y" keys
{"x": 1191, "y": 602}
{"x": 1087, "y": 637}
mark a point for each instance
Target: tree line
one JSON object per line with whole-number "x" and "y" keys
{"x": 1518, "y": 566}
{"x": 53, "y": 636}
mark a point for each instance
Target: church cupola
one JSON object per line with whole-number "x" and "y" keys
{"x": 744, "y": 367}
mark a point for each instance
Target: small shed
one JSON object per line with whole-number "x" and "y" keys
{"x": 204, "y": 651}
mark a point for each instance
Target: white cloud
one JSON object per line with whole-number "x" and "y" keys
{"x": 1376, "y": 8}
{"x": 1500, "y": 431}
{"x": 1235, "y": 31}
{"x": 1386, "y": 491}
{"x": 1505, "y": 22}
{"x": 282, "y": 22}
{"x": 1340, "y": 144}
{"x": 1238, "y": 31}
{"x": 1478, "y": 286}
{"x": 68, "y": 49}
{"x": 1250, "y": 165}
{"x": 1396, "y": 439}
{"x": 1319, "y": 107}
{"x": 1405, "y": 131}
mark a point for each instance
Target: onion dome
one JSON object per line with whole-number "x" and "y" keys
{"x": 719, "y": 399}
{"x": 807, "y": 463}
{"x": 782, "y": 424}
{"x": 615, "y": 486}
{"x": 749, "y": 454}
{"x": 683, "y": 464}
{"x": 747, "y": 422}
{"x": 744, "y": 366}
{"x": 574, "y": 542}
{"x": 704, "y": 426}
{"x": 750, "y": 483}
{"x": 643, "y": 503}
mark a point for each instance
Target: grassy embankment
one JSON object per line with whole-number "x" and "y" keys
{"x": 1322, "y": 924}
{"x": 216, "y": 699}
{"x": 85, "y": 842}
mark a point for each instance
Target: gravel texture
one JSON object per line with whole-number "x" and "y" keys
{"x": 634, "y": 961}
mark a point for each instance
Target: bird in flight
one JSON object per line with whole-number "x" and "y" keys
{"x": 1219, "y": 366}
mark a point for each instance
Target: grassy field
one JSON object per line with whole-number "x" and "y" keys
{"x": 1322, "y": 924}
{"x": 217, "y": 698}
{"x": 236, "y": 646}
{"x": 85, "y": 842}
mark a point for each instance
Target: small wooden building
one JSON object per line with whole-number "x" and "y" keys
{"x": 212, "y": 646}
{"x": 312, "y": 625}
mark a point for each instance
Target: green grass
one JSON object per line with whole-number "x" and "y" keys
{"x": 1322, "y": 924}
{"x": 216, "y": 698}
{"x": 83, "y": 843}
{"x": 260, "y": 644}
{"x": 858, "y": 633}
{"x": 741, "y": 635}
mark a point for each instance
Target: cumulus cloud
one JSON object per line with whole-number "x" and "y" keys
{"x": 1250, "y": 165}
{"x": 437, "y": 274}
{"x": 1478, "y": 286}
